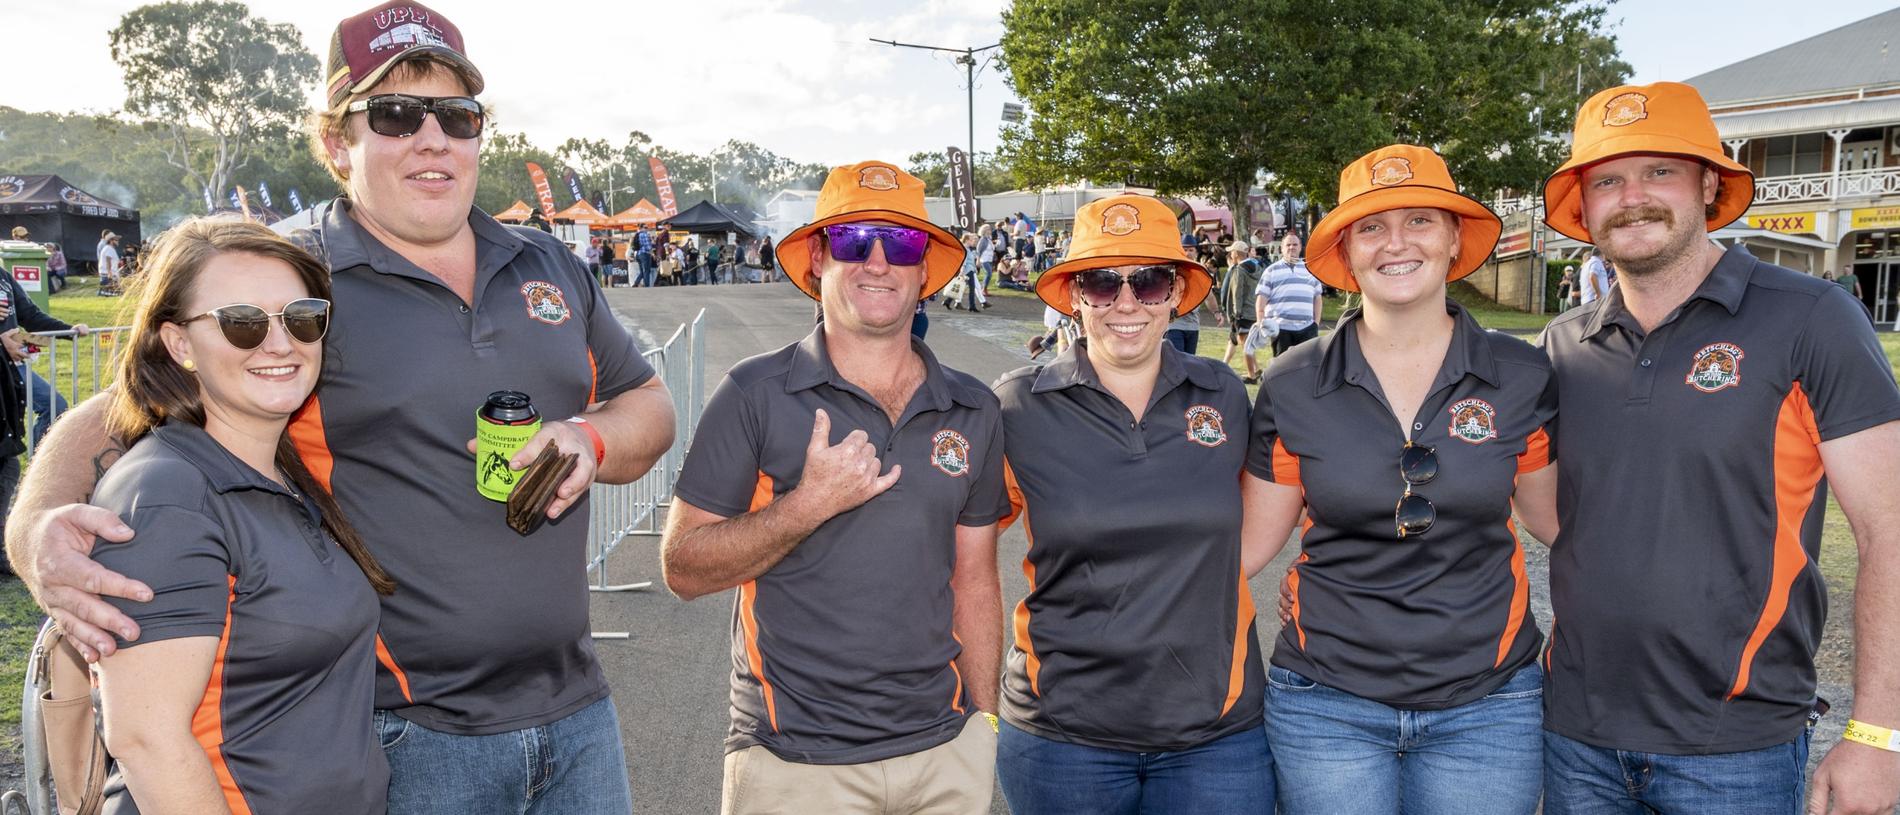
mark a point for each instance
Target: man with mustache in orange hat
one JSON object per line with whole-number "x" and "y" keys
{"x": 1704, "y": 401}
{"x": 849, "y": 486}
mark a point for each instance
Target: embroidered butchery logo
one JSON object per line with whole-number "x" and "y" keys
{"x": 1121, "y": 220}
{"x": 545, "y": 302}
{"x": 1625, "y": 109}
{"x": 878, "y": 177}
{"x": 1204, "y": 426}
{"x": 1474, "y": 421}
{"x": 1389, "y": 171}
{"x": 950, "y": 452}
{"x": 1717, "y": 366}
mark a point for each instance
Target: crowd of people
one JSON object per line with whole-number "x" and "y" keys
{"x": 298, "y": 603}
{"x": 660, "y": 257}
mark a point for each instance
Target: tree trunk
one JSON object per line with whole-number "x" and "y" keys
{"x": 1235, "y": 189}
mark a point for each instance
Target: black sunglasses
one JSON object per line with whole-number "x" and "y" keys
{"x": 245, "y": 326}
{"x": 1151, "y": 285}
{"x": 400, "y": 114}
{"x": 1418, "y": 465}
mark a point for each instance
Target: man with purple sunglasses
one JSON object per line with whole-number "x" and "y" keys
{"x": 849, "y": 486}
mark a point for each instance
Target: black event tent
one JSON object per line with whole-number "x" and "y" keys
{"x": 707, "y": 217}
{"x": 57, "y": 212}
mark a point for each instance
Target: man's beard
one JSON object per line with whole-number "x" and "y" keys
{"x": 1675, "y": 245}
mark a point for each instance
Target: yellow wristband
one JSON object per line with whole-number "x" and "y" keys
{"x": 994, "y": 727}
{"x": 1872, "y": 735}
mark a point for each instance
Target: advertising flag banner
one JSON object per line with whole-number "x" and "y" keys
{"x": 574, "y": 185}
{"x": 542, "y": 189}
{"x": 962, "y": 188}
{"x": 235, "y": 203}
{"x": 263, "y": 193}
{"x": 665, "y": 186}
{"x": 296, "y": 201}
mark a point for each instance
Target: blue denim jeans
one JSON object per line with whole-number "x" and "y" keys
{"x": 648, "y": 269}
{"x": 47, "y": 403}
{"x": 574, "y": 766}
{"x": 1581, "y": 779}
{"x": 1045, "y": 777}
{"x": 1340, "y": 754}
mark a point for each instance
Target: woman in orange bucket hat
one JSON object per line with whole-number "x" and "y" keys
{"x": 1406, "y": 674}
{"x": 1133, "y": 685}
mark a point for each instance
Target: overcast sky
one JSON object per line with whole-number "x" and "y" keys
{"x": 799, "y": 77}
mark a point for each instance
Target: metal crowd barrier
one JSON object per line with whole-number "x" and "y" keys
{"x": 618, "y": 511}
{"x": 88, "y": 361}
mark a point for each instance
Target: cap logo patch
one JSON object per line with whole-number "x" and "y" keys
{"x": 1392, "y": 170}
{"x": 545, "y": 302}
{"x": 1717, "y": 366}
{"x": 1474, "y": 421}
{"x": 950, "y": 453}
{"x": 1121, "y": 220}
{"x": 1625, "y": 109}
{"x": 878, "y": 177}
{"x": 1204, "y": 426}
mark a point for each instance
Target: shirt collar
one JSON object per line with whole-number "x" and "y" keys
{"x": 223, "y": 471}
{"x": 811, "y": 367}
{"x": 1341, "y": 361}
{"x": 349, "y": 245}
{"x": 1725, "y": 286}
{"x": 1072, "y": 368}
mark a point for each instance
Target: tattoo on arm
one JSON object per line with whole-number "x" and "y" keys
{"x": 104, "y": 461}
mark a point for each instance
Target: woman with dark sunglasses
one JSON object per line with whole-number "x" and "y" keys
{"x": 250, "y": 685}
{"x": 1407, "y": 677}
{"x": 1132, "y": 685}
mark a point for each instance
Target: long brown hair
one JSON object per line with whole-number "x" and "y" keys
{"x": 152, "y": 388}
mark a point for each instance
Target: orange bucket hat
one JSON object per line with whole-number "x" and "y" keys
{"x": 872, "y": 191}
{"x": 1666, "y": 119}
{"x": 1396, "y": 177}
{"x": 1124, "y": 230}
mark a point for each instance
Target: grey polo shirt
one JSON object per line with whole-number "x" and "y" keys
{"x": 1435, "y": 620}
{"x": 230, "y": 554}
{"x": 488, "y": 631}
{"x": 1687, "y": 597}
{"x": 1138, "y": 630}
{"x": 844, "y": 652}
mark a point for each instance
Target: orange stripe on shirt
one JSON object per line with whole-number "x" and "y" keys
{"x": 748, "y": 598}
{"x": 1019, "y": 509}
{"x": 1536, "y": 455}
{"x": 307, "y": 435}
{"x": 593, "y": 378}
{"x": 388, "y": 661}
{"x": 956, "y": 697}
{"x": 1520, "y": 594}
{"x": 207, "y": 722}
{"x": 1293, "y": 580}
{"x": 1797, "y": 463}
{"x": 1237, "y": 669}
{"x": 1286, "y": 466}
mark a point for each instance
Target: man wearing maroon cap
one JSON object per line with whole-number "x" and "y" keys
{"x": 489, "y": 697}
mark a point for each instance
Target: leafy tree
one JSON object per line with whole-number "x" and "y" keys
{"x": 1206, "y": 95}
{"x": 216, "y": 80}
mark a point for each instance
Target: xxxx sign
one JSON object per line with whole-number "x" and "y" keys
{"x": 1784, "y": 222}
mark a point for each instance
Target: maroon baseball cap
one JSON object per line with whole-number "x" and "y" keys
{"x": 363, "y": 48}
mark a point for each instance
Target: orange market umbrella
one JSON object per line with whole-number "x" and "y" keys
{"x": 514, "y": 214}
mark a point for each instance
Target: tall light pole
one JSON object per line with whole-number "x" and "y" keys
{"x": 966, "y": 57}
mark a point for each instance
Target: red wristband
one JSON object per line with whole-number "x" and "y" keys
{"x": 600, "y": 444}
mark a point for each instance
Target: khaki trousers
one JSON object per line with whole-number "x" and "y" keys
{"x": 954, "y": 778}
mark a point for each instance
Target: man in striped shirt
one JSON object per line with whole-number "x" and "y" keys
{"x": 1289, "y": 296}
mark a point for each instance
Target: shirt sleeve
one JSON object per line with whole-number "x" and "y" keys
{"x": 989, "y": 497}
{"x": 32, "y": 318}
{"x": 1839, "y": 364}
{"x": 618, "y": 364}
{"x": 722, "y": 474}
{"x": 181, "y": 555}
{"x": 1267, "y": 456}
